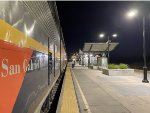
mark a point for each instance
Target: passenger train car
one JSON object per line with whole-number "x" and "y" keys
{"x": 32, "y": 55}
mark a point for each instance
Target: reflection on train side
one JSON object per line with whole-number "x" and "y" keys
{"x": 37, "y": 61}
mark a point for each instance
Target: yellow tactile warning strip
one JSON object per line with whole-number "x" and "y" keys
{"x": 69, "y": 101}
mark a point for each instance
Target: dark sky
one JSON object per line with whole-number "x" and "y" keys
{"x": 83, "y": 21}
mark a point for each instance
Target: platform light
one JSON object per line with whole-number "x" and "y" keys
{"x": 132, "y": 13}
{"x": 114, "y": 35}
{"x": 101, "y": 35}
{"x": 108, "y": 40}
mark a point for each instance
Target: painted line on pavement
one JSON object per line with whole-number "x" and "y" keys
{"x": 87, "y": 108}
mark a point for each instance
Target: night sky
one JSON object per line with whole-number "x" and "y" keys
{"x": 83, "y": 22}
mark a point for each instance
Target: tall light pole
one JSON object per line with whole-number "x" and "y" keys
{"x": 102, "y": 35}
{"x": 132, "y": 14}
{"x": 108, "y": 47}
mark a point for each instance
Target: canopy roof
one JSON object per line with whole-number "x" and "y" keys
{"x": 99, "y": 47}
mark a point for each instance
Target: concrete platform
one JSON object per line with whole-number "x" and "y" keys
{"x": 98, "y": 93}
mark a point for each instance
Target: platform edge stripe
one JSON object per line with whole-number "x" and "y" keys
{"x": 82, "y": 94}
{"x": 69, "y": 102}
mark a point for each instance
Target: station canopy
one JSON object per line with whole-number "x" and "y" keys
{"x": 99, "y": 47}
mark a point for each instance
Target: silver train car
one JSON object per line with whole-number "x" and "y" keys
{"x": 32, "y": 54}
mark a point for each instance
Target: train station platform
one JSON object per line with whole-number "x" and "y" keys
{"x": 99, "y": 93}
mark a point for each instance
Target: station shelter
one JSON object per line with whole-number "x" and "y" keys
{"x": 96, "y": 54}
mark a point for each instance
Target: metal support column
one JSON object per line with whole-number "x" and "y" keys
{"x": 108, "y": 48}
{"x": 144, "y": 54}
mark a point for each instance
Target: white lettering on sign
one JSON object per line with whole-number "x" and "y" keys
{"x": 4, "y": 67}
{"x": 14, "y": 69}
{"x": 31, "y": 66}
{"x": 9, "y": 69}
{"x": 25, "y": 65}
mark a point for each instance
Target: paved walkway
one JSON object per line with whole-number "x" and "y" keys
{"x": 110, "y": 94}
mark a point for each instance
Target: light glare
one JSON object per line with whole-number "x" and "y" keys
{"x": 132, "y": 13}
{"x": 114, "y": 35}
{"x": 101, "y": 35}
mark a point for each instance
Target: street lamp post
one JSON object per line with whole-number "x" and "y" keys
{"x": 108, "y": 41}
{"x": 144, "y": 54}
{"x": 132, "y": 14}
{"x": 108, "y": 48}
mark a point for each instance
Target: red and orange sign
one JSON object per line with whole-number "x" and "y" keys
{"x": 13, "y": 62}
